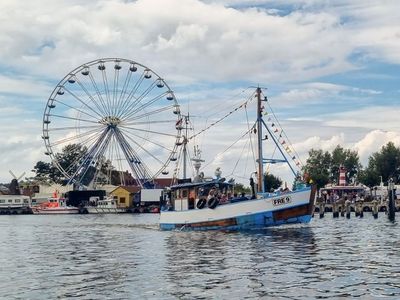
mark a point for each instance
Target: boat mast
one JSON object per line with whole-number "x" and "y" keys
{"x": 185, "y": 141}
{"x": 260, "y": 171}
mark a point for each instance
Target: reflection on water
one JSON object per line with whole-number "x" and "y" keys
{"x": 127, "y": 257}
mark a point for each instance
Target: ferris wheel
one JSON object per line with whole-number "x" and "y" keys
{"x": 115, "y": 120}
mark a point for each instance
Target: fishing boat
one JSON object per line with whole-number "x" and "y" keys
{"x": 105, "y": 206}
{"x": 211, "y": 204}
{"x": 54, "y": 206}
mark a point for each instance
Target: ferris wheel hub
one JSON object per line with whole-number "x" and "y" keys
{"x": 111, "y": 121}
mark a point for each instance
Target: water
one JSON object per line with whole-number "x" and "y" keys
{"x": 127, "y": 257}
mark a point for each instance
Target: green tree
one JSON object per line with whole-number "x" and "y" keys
{"x": 385, "y": 163}
{"x": 347, "y": 158}
{"x": 271, "y": 182}
{"x": 318, "y": 166}
{"x": 240, "y": 189}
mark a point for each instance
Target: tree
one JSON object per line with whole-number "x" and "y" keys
{"x": 271, "y": 182}
{"x": 385, "y": 163}
{"x": 323, "y": 167}
{"x": 346, "y": 158}
{"x": 240, "y": 189}
{"x": 318, "y": 167}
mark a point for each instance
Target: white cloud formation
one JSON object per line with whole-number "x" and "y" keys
{"x": 196, "y": 45}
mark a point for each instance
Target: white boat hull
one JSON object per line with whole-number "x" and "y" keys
{"x": 55, "y": 211}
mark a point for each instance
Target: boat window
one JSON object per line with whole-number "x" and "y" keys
{"x": 2, "y": 201}
{"x": 9, "y": 200}
{"x": 122, "y": 200}
{"x": 26, "y": 201}
{"x": 17, "y": 200}
{"x": 184, "y": 193}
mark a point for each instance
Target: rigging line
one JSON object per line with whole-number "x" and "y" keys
{"x": 239, "y": 158}
{"x": 132, "y": 109}
{"x": 221, "y": 119}
{"x": 74, "y": 108}
{"x": 148, "y": 131}
{"x": 156, "y": 111}
{"x": 280, "y": 150}
{"x": 145, "y": 139}
{"x": 83, "y": 102}
{"x": 129, "y": 97}
{"x": 99, "y": 95}
{"x": 287, "y": 138}
{"x": 226, "y": 149}
{"x": 222, "y": 103}
{"x": 100, "y": 106}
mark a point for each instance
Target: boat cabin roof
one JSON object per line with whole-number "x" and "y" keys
{"x": 201, "y": 184}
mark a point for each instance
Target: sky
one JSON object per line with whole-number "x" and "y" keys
{"x": 331, "y": 68}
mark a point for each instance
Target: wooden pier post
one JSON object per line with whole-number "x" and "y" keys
{"x": 375, "y": 208}
{"x": 321, "y": 209}
{"x": 348, "y": 208}
{"x": 391, "y": 203}
{"x": 335, "y": 208}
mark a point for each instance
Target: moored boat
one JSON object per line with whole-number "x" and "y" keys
{"x": 15, "y": 204}
{"x": 105, "y": 206}
{"x": 54, "y": 206}
{"x": 212, "y": 204}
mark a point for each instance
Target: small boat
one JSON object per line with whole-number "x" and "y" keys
{"x": 105, "y": 206}
{"x": 212, "y": 205}
{"x": 54, "y": 206}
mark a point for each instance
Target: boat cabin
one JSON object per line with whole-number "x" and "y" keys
{"x": 14, "y": 201}
{"x": 198, "y": 195}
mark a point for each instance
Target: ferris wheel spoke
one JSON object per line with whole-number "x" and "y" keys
{"x": 76, "y": 109}
{"x": 150, "y": 113}
{"x": 107, "y": 91}
{"x": 144, "y": 149}
{"x": 125, "y": 86}
{"x": 152, "y": 122}
{"x": 106, "y": 109}
{"x": 75, "y": 119}
{"x": 94, "y": 153}
{"x": 137, "y": 166}
{"x": 71, "y": 128}
{"x": 148, "y": 131}
{"x": 145, "y": 139}
{"x": 99, "y": 105}
{"x": 132, "y": 112}
{"x": 126, "y": 101}
{"x": 82, "y": 102}
{"x": 133, "y": 104}
{"x": 78, "y": 137}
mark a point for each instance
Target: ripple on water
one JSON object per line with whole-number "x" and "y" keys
{"x": 127, "y": 257}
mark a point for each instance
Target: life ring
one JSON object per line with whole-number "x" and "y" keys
{"x": 212, "y": 202}
{"x": 201, "y": 203}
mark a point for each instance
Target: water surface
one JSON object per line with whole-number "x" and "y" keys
{"x": 126, "y": 257}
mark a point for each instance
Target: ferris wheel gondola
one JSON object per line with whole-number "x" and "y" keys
{"x": 118, "y": 117}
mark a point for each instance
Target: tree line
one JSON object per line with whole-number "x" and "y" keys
{"x": 323, "y": 167}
